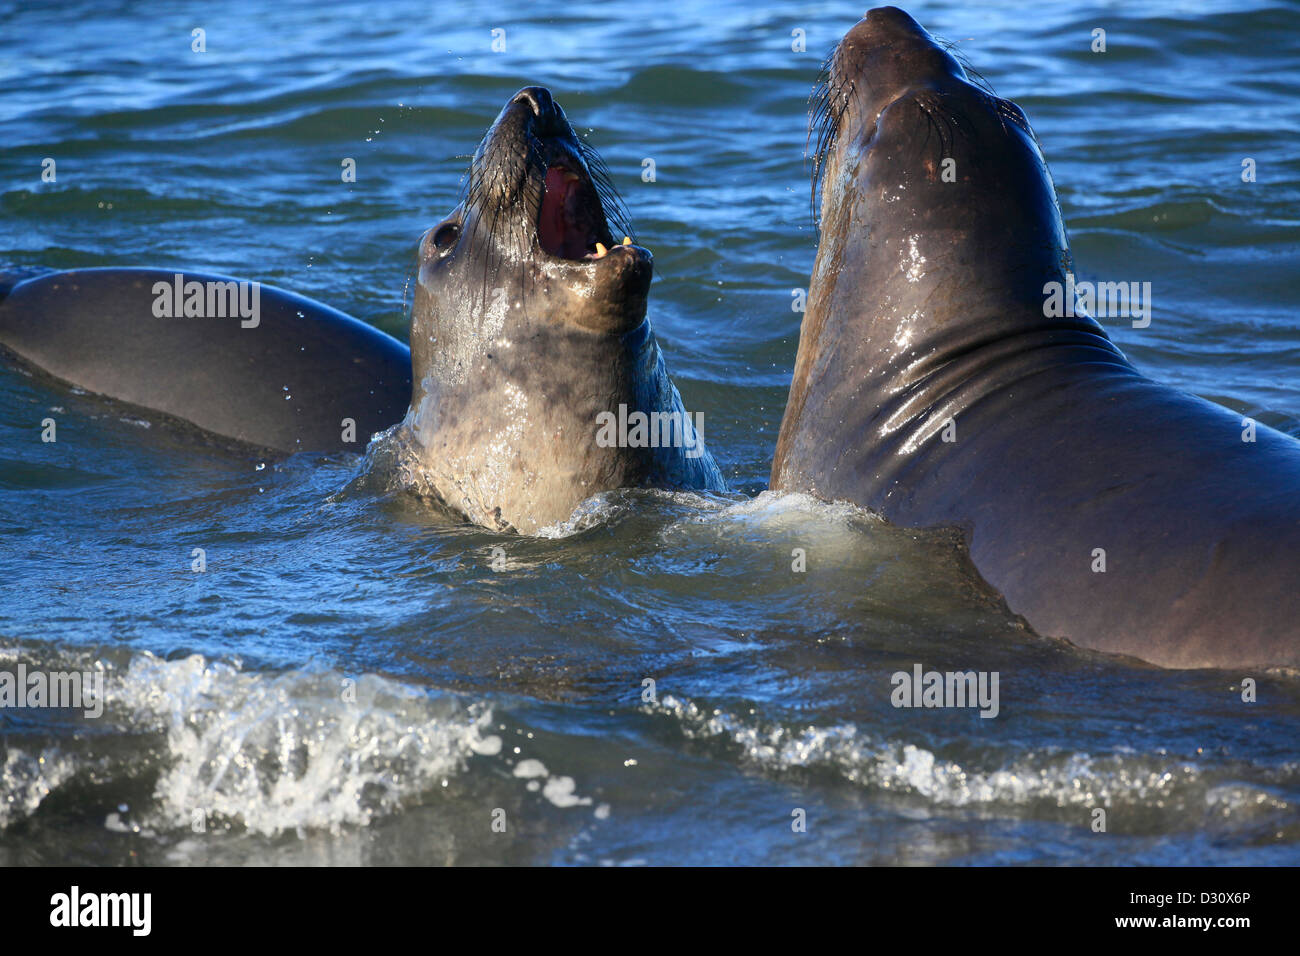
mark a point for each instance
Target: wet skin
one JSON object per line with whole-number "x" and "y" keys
{"x": 300, "y": 377}
{"x": 529, "y": 321}
{"x": 926, "y": 321}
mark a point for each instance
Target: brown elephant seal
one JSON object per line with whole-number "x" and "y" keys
{"x": 933, "y": 386}
{"x": 533, "y": 381}
{"x": 537, "y": 381}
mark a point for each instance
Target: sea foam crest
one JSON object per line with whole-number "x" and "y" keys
{"x": 1047, "y": 778}
{"x": 301, "y": 749}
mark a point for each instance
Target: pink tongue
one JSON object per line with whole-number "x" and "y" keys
{"x": 556, "y": 232}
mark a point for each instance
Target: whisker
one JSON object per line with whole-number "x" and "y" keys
{"x": 826, "y": 107}
{"x": 616, "y": 214}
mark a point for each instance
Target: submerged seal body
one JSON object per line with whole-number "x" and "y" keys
{"x": 529, "y": 332}
{"x": 239, "y": 359}
{"x": 932, "y": 386}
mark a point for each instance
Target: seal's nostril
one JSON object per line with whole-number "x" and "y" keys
{"x": 526, "y": 96}
{"x": 538, "y": 98}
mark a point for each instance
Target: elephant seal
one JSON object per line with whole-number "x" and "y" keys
{"x": 933, "y": 386}
{"x": 238, "y": 359}
{"x": 530, "y": 345}
{"x": 533, "y": 381}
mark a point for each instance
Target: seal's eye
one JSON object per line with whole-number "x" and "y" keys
{"x": 444, "y": 237}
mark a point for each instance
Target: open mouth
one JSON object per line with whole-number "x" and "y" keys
{"x": 571, "y": 223}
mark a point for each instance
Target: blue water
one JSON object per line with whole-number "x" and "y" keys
{"x": 350, "y": 680}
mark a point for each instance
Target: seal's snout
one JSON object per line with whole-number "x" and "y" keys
{"x": 541, "y": 185}
{"x": 888, "y": 47}
{"x": 886, "y": 57}
{"x": 541, "y": 215}
{"x": 546, "y": 112}
{"x": 887, "y": 32}
{"x": 538, "y": 99}
{"x": 891, "y": 19}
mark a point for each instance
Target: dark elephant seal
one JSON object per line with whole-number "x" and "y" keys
{"x": 239, "y": 359}
{"x": 926, "y": 321}
{"x": 529, "y": 332}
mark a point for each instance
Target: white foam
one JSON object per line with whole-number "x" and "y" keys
{"x": 27, "y": 779}
{"x": 836, "y": 527}
{"x": 291, "y": 751}
{"x": 276, "y": 752}
{"x": 608, "y": 506}
{"x": 1062, "y": 779}
{"x": 559, "y": 790}
{"x": 776, "y": 505}
{"x": 594, "y": 511}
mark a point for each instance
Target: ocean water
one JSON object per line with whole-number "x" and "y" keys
{"x": 353, "y": 680}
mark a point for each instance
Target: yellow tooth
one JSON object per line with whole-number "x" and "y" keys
{"x": 600, "y": 250}
{"x": 627, "y": 240}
